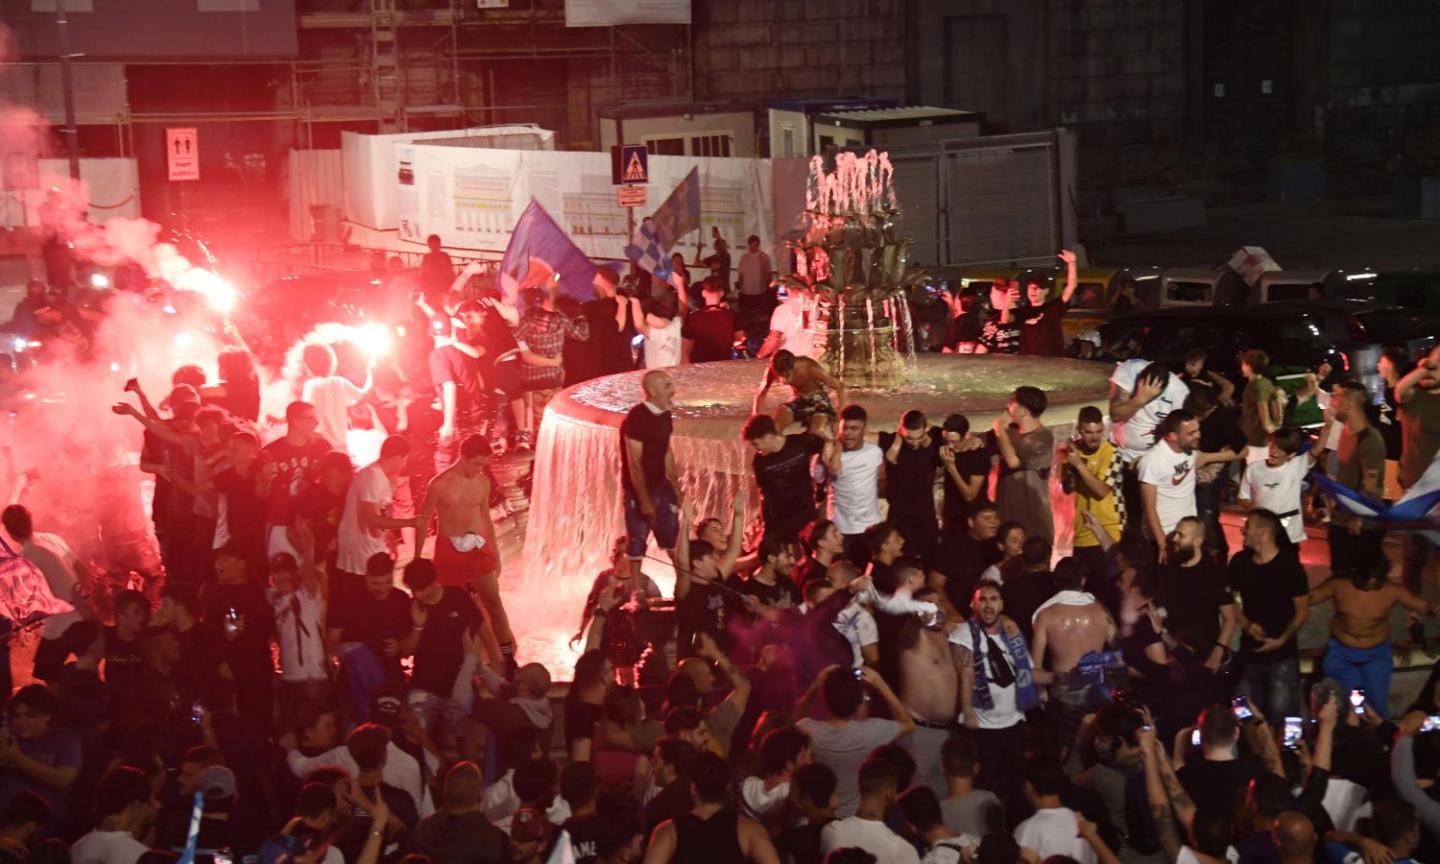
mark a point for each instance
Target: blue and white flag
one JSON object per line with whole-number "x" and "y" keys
{"x": 540, "y": 252}
{"x": 656, "y": 235}
{"x": 1417, "y": 510}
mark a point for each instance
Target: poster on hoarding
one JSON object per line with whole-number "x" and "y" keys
{"x": 609, "y": 13}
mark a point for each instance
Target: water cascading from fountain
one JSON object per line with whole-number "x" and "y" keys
{"x": 852, "y": 261}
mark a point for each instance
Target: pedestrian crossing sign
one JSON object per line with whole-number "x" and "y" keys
{"x": 633, "y": 165}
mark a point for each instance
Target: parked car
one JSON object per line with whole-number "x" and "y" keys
{"x": 1413, "y": 289}
{"x": 1361, "y": 329}
{"x": 1296, "y": 345}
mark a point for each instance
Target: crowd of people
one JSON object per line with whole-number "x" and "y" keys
{"x": 893, "y": 665}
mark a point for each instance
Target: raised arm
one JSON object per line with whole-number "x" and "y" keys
{"x": 898, "y": 711}
{"x": 682, "y": 551}
{"x": 737, "y": 538}
{"x": 1124, "y": 405}
{"x": 642, "y": 326}
{"x": 1070, "y": 279}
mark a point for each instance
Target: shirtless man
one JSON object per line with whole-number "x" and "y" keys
{"x": 929, "y": 686}
{"x": 1071, "y": 628}
{"x": 810, "y": 403}
{"x": 466, "y": 554}
{"x": 1358, "y": 652}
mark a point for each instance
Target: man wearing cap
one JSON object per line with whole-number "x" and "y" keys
{"x": 219, "y": 831}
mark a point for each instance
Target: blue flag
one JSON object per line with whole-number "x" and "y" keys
{"x": 680, "y": 214}
{"x": 539, "y": 253}
{"x": 1418, "y": 510}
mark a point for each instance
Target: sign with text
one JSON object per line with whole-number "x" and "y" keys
{"x": 182, "y": 154}
{"x": 633, "y": 196}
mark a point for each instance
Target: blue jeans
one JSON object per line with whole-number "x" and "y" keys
{"x": 1365, "y": 668}
{"x": 1273, "y": 688}
{"x": 665, "y": 524}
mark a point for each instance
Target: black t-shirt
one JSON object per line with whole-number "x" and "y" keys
{"x": 249, "y": 652}
{"x": 1217, "y": 787}
{"x": 1000, "y": 338}
{"x": 322, "y": 509}
{"x": 1023, "y": 593}
{"x": 1388, "y": 422}
{"x": 608, "y": 350}
{"x": 353, "y": 831}
{"x": 1220, "y": 430}
{"x": 712, "y": 332}
{"x": 963, "y": 328}
{"x": 1267, "y": 595}
{"x": 1041, "y": 330}
{"x": 702, "y": 610}
{"x": 580, "y": 720}
{"x": 244, "y": 508}
{"x": 653, "y": 432}
{"x": 295, "y": 470}
{"x": 441, "y": 649}
{"x": 910, "y": 481}
{"x": 586, "y": 833}
{"x": 970, "y": 464}
{"x": 449, "y": 364}
{"x": 361, "y": 618}
{"x": 786, "y": 494}
{"x": 1192, "y": 597}
{"x": 122, "y": 662}
{"x": 782, "y": 594}
{"x": 962, "y": 559}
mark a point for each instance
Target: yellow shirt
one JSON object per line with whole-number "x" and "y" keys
{"x": 1105, "y": 465}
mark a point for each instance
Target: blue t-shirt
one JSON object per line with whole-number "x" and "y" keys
{"x": 58, "y": 747}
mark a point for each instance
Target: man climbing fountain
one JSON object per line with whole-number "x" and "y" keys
{"x": 810, "y": 385}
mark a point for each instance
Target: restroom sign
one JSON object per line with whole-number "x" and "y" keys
{"x": 182, "y": 154}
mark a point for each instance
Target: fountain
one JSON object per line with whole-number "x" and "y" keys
{"x": 857, "y": 270}
{"x": 860, "y": 273}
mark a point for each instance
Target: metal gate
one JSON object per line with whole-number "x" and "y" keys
{"x": 991, "y": 200}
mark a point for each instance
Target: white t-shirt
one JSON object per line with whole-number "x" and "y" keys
{"x": 1186, "y": 855}
{"x": 51, "y": 555}
{"x": 950, "y": 851}
{"x": 302, "y": 649}
{"x": 1004, "y": 713}
{"x": 662, "y": 346}
{"x": 356, "y": 545}
{"x": 760, "y": 802}
{"x": 107, "y": 847}
{"x": 1173, "y": 476}
{"x": 332, "y": 398}
{"x": 1054, "y": 832}
{"x": 857, "y": 625}
{"x": 1277, "y": 488}
{"x": 792, "y": 320}
{"x": 855, "y": 494}
{"x": 869, "y": 834}
{"x": 1135, "y": 436}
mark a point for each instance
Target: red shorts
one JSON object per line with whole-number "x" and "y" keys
{"x": 461, "y": 568}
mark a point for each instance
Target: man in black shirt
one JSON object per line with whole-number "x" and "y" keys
{"x": 967, "y": 459}
{"x": 912, "y": 456}
{"x": 1217, "y": 781}
{"x": 1041, "y": 330}
{"x": 710, "y": 333}
{"x": 368, "y": 629}
{"x": 442, "y": 614}
{"x": 1191, "y": 587}
{"x": 648, "y": 474}
{"x": 1024, "y": 592}
{"x": 608, "y": 350}
{"x": 782, "y": 471}
{"x": 242, "y": 624}
{"x": 1274, "y": 605}
{"x": 956, "y": 566}
{"x": 122, "y": 648}
{"x": 1219, "y": 429}
{"x": 962, "y": 330}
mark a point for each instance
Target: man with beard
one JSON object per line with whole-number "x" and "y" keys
{"x": 1191, "y": 587}
{"x": 1167, "y": 474}
{"x": 1358, "y": 652}
{"x": 466, "y": 554}
{"x": 1090, "y": 470}
{"x": 997, "y": 687}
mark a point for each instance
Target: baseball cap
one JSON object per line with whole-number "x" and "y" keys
{"x": 217, "y": 781}
{"x": 385, "y": 709}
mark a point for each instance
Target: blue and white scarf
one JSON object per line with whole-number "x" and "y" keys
{"x": 1027, "y": 696}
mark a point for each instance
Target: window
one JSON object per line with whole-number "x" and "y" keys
{"x": 710, "y": 145}
{"x": 666, "y": 146}
{"x": 1189, "y": 292}
{"x": 787, "y": 140}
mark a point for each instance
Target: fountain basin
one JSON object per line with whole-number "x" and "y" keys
{"x": 576, "y": 500}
